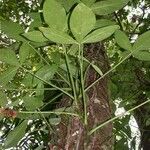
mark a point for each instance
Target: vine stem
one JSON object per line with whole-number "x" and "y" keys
{"x": 82, "y": 82}
{"x": 54, "y": 86}
{"x": 48, "y": 112}
{"x": 47, "y": 62}
{"x": 113, "y": 68}
{"x": 70, "y": 76}
{"x": 114, "y": 118}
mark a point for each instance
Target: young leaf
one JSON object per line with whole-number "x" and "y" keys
{"x": 142, "y": 55}
{"x": 24, "y": 52}
{"x": 108, "y": 6}
{"x": 82, "y": 21}
{"x": 122, "y": 40}
{"x": 88, "y": 2}
{"x": 12, "y": 29}
{"x": 8, "y": 56}
{"x": 3, "y": 98}
{"x": 8, "y": 75}
{"x": 35, "y": 36}
{"x": 16, "y": 135}
{"x": 32, "y": 103}
{"x": 97, "y": 69}
{"x": 103, "y": 23}
{"x": 143, "y": 42}
{"x": 100, "y": 34}
{"x": 57, "y": 36}
{"x": 54, "y": 15}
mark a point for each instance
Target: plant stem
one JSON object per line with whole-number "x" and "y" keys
{"x": 105, "y": 74}
{"x": 48, "y": 112}
{"x": 47, "y": 62}
{"x": 71, "y": 77}
{"x": 54, "y": 86}
{"x": 114, "y": 118}
{"x": 82, "y": 82}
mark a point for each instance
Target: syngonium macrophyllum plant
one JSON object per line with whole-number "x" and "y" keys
{"x": 50, "y": 57}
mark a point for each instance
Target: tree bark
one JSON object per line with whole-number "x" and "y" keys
{"x": 72, "y": 134}
{"x": 142, "y": 113}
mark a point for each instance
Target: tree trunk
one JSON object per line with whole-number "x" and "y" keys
{"x": 71, "y": 132}
{"x": 142, "y": 113}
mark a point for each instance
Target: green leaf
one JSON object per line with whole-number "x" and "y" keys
{"x": 8, "y": 56}
{"x": 35, "y": 36}
{"x": 12, "y": 29}
{"x": 32, "y": 103}
{"x": 67, "y": 4}
{"x": 82, "y": 21}
{"x": 46, "y": 73}
{"x": 8, "y": 75}
{"x": 143, "y": 42}
{"x": 55, "y": 121}
{"x": 142, "y": 55}
{"x": 24, "y": 52}
{"x": 88, "y": 2}
{"x": 3, "y": 98}
{"x": 16, "y": 135}
{"x": 55, "y": 15}
{"x": 122, "y": 40}
{"x": 100, "y": 34}
{"x": 36, "y": 20}
{"x": 57, "y": 36}
{"x": 97, "y": 69}
{"x": 103, "y": 23}
{"x": 108, "y": 6}
{"x": 28, "y": 80}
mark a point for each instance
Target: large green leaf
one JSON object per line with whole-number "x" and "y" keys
{"x": 32, "y": 103}
{"x": 3, "y": 98}
{"x": 57, "y": 36}
{"x": 8, "y": 75}
{"x": 143, "y": 42}
{"x": 88, "y": 2}
{"x": 8, "y": 56}
{"x": 82, "y": 21}
{"x": 16, "y": 135}
{"x": 35, "y": 36}
{"x": 142, "y": 55}
{"x": 100, "y": 34}
{"x": 103, "y": 23}
{"x": 46, "y": 73}
{"x": 12, "y": 29}
{"x": 67, "y": 3}
{"x": 108, "y": 6}
{"x": 55, "y": 15}
{"x": 122, "y": 40}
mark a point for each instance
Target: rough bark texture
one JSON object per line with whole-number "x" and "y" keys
{"x": 142, "y": 113}
{"x": 72, "y": 134}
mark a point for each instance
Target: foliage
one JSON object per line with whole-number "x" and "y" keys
{"x": 44, "y": 63}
